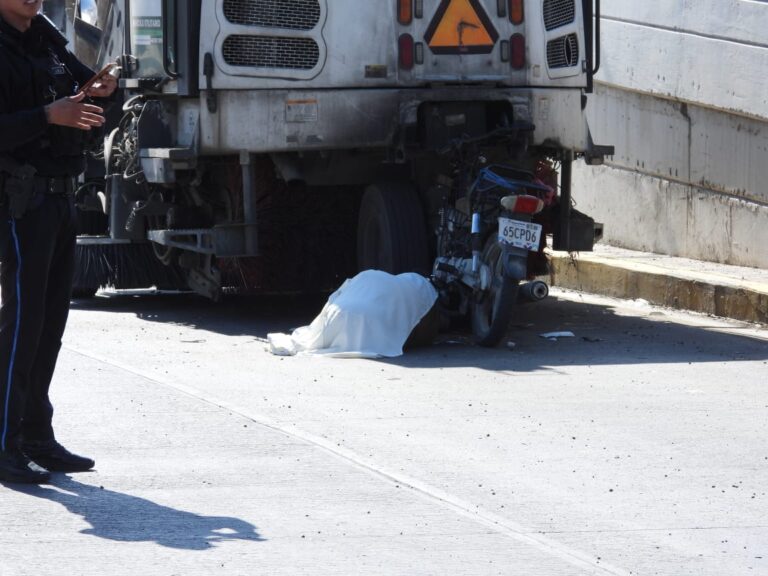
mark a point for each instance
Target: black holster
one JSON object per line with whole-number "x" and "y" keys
{"x": 18, "y": 194}
{"x": 18, "y": 190}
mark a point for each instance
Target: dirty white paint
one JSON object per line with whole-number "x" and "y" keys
{"x": 683, "y": 95}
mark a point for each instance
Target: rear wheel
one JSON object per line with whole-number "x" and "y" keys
{"x": 492, "y": 310}
{"x": 391, "y": 232}
{"x": 392, "y": 236}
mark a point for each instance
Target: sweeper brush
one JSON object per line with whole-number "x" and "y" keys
{"x": 121, "y": 266}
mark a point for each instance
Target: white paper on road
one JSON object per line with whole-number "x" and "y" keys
{"x": 370, "y": 316}
{"x": 556, "y": 335}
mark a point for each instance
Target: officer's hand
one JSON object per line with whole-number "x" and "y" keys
{"x": 73, "y": 113}
{"x": 104, "y": 88}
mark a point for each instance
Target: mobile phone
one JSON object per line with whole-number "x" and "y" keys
{"x": 98, "y": 76}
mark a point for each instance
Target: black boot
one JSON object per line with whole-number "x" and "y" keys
{"x": 16, "y": 467}
{"x": 54, "y": 457}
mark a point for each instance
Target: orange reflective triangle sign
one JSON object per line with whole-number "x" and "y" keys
{"x": 461, "y": 27}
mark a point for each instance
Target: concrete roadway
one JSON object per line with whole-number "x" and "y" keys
{"x": 637, "y": 447}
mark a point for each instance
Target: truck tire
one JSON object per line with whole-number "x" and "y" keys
{"x": 391, "y": 231}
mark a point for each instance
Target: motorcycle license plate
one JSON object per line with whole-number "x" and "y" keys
{"x": 525, "y": 235}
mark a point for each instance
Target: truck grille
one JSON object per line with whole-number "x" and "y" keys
{"x": 285, "y": 14}
{"x": 271, "y": 52}
{"x": 559, "y": 13}
{"x": 563, "y": 52}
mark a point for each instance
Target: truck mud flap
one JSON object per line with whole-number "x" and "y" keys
{"x": 579, "y": 235}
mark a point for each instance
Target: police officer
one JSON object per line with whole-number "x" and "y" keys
{"x": 43, "y": 120}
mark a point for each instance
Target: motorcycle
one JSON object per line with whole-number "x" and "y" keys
{"x": 485, "y": 234}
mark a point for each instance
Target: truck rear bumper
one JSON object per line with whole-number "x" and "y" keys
{"x": 294, "y": 121}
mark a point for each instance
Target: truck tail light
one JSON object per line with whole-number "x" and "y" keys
{"x": 405, "y": 11}
{"x": 523, "y": 204}
{"x": 517, "y": 45}
{"x": 406, "y": 49}
{"x": 516, "y": 13}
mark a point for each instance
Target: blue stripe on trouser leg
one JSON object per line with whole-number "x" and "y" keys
{"x": 9, "y": 380}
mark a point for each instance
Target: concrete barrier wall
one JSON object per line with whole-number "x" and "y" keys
{"x": 683, "y": 95}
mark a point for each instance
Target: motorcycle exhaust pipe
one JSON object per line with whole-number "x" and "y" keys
{"x": 534, "y": 291}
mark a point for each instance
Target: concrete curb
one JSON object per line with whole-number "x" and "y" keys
{"x": 707, "y": 293}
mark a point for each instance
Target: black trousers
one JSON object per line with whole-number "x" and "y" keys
{"x": 37, "y": 259}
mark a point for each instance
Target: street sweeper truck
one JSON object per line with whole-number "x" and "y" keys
{"x": 283, "y": 145}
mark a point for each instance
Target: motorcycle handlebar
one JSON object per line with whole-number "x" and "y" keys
{"x": 457, "y": 144}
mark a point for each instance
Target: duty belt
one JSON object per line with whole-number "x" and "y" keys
{"x": 62, "y": 186}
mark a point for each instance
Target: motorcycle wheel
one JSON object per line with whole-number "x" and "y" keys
{"x": 492, "y": 310}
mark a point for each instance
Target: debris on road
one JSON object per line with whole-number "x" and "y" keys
{"x": 554, "y": 336}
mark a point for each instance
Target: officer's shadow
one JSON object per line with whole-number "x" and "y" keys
{"x": 116, "y": 516}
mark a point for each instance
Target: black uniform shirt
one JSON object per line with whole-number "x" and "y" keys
{"x": 36, "y": 69}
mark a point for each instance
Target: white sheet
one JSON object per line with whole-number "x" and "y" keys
{"x": 370, "y": 316}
